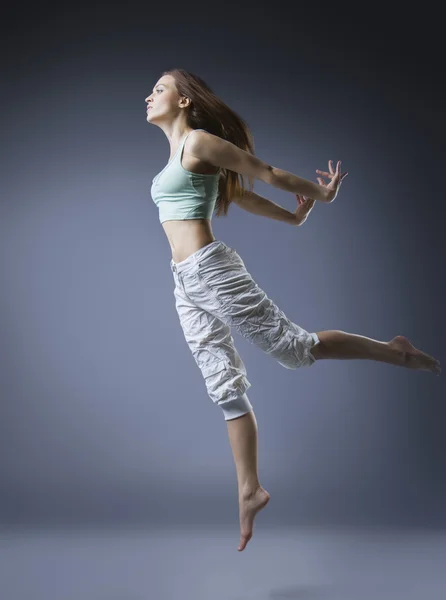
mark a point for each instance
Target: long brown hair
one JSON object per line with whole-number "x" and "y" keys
{"x": 207, "y": 111}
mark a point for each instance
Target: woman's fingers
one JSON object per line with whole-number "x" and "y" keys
{"x": 336, "y": 177}
{"x": 332, "y": 173}
{"x": 304, "y": 200}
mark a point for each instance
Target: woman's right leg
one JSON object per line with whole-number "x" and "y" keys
{"x": 399, "y": 351}
{"x": 242, "y": 304}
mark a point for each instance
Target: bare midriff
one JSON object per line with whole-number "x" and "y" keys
{"x": 188, "y": 236}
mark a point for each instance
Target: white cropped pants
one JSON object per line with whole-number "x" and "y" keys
{"x": 214, "y": 292}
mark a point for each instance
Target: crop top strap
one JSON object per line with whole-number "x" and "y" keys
{"x": 187, "y": 135}
{"x": 181, "y": 147}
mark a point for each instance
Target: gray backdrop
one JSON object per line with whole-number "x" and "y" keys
{"x": 104, "y": 414}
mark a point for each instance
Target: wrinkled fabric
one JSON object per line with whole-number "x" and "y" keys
{"x": 213, "y": 293}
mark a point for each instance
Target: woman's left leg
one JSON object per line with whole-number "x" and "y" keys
{"x": 252, "y": 496}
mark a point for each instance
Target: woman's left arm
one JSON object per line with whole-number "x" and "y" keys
{"x": 221, "y": 153}
{"x": 289, "y": 182}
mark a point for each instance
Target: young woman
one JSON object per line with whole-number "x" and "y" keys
{"x": 210, "y": 147}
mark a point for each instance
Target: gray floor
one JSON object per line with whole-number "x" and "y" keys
{"x": 204, "y": 564}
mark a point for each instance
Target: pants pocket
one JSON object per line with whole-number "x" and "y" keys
{"x": 224, "y": 381}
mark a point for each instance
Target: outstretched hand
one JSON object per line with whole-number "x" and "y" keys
{"x": 336, "y": 179}
{"x": 303, "y": 209}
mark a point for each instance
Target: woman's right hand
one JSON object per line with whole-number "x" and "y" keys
{"x": 304, "y": 207}
{"x": 336, "y": 180}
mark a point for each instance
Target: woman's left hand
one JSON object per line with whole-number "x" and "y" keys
{"x": 303, "y": 209}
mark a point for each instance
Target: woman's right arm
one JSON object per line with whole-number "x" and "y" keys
{"x": 258, "y": 205}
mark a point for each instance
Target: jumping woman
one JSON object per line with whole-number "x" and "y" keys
{"x": 210, "y": 147}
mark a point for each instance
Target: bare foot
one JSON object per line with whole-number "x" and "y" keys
{"x": 413, "y": 358}
{"x": 250, "y": 504}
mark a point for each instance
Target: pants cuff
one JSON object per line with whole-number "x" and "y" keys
{"x": 232, "y": 409}
{"x": 316, "y": 341}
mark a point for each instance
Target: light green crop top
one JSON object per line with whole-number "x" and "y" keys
{"x": 181, "y": 194}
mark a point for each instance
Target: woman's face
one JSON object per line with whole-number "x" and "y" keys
{"x": 163, "y": 99}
